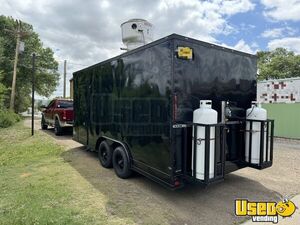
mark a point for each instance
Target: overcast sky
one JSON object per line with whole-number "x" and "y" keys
{"x": 87, "y": 32}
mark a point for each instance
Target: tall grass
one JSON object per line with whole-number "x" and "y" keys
{"x": 8, "y": 118}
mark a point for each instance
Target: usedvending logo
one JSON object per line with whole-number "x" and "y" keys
{"x": 264, "y": 211}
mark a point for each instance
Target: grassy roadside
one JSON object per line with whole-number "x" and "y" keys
{"x": 38, "y": 187}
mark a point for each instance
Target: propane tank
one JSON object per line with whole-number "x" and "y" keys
{"x": 255, "y": 113}
{"x": 204, "y": 115}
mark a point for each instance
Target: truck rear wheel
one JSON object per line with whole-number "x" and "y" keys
{"x": 57, "y": 128}
{"x": 121, "y": 163}
{"x": 105, "y": 154}
{"x": 44, "y": 126}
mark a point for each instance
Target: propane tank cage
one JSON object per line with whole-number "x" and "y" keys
{"x": 219, "y": 150}
{"x": 269, "y": 125}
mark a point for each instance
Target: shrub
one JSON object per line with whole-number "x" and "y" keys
{"x": 8, "y": 118}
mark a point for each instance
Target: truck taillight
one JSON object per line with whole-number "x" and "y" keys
{"x": 64, "y": 115}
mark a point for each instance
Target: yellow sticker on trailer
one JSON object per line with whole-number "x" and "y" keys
{"x": 185, "y": 52}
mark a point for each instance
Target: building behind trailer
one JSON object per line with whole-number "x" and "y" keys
{"x": 281, "y": 97}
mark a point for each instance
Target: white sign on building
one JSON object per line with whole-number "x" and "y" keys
{"x": 279, "y": 91}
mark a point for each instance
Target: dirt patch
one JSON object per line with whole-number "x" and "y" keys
{"x": 143, "y": 200}
{"x": 24, "y": 175}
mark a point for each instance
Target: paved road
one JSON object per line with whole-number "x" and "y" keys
{"x": 193, "y": 204}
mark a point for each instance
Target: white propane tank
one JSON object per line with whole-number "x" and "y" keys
{"x": 255, "y": 113}
{"x": 136, "y": 33}
{"x": 204, "y": 115}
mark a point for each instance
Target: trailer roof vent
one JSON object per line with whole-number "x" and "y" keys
{"x": 136, "y": 33}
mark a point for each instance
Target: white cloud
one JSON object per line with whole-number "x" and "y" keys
{"x": 198, "y": 19}
{"x": 273, "y": 33}
{"x": 236, "y": 6}
{"x": 278, "y": 32}
{"x": 241, "y": 45}
{"x": 254, "y": 45}
{"x": 88, "y": 32}
{"x": 282, "y": 9}
{"x": 244, "y": 47}
{"x": 225, "y": 7}
{"x": 290, "y": 43}
{"x": 245, "y": 27}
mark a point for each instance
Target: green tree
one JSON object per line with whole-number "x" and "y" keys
{"x": 47, "y": 75}
{"x": 3, "y": 92}
{"x": 3, "y": 89}
{"x": 279, "y": 63}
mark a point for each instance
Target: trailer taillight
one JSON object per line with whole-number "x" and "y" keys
{"x": 177, "y": 183}
{"x": 175, "y": 107}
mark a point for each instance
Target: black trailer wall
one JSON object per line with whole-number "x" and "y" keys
{"x": 128, "y": 99}
{"x": 215, "y": 74}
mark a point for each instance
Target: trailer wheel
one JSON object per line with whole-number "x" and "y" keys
{"x": 121, "y": 163}
{"x": 43, "y": 124}
{"x": 105, "y": 154}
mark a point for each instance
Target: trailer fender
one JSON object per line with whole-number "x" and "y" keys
{"x": 124, "y": 145}
{"x": 99, "y": 140}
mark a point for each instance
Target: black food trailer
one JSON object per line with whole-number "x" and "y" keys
{"x": 136, "y": 111}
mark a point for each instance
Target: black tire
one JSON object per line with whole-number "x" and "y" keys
{"x": 121, "y": 163}
{"x": 57, "y": 128}
{"x": 105, "y": 154}
{"x": 44, "y": 126}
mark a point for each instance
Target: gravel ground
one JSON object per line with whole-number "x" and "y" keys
{"x": 193, "y": 204}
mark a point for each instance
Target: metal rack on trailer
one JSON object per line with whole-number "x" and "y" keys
{"x": 220, "y": 139}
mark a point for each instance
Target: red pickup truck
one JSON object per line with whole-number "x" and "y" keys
{"x": 58, "y": 114}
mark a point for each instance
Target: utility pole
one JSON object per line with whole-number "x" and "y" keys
{"x": 13, "y": 86}
{"x": 65, "y": 77}
{"x": 32, "y": 93}
{"x": 18, "y": 33}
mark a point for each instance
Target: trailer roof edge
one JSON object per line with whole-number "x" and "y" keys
{"x": 164, "y": 39}
{"x": 208, "y": 44}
